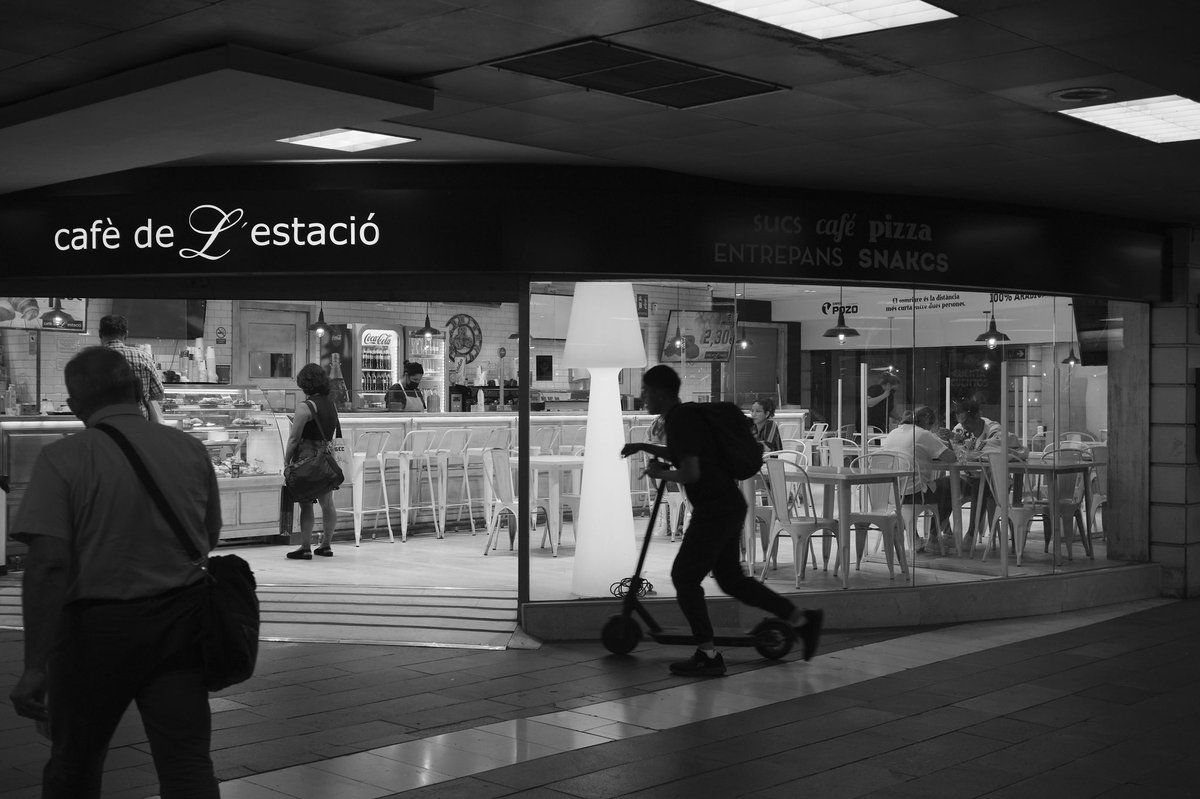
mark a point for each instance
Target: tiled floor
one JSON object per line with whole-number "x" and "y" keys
{"x": 1094, "y": 703}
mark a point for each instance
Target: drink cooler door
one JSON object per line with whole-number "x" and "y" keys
{"x": 431, "y": 354}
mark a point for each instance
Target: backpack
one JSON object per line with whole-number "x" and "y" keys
{"x": 733, "y": 432}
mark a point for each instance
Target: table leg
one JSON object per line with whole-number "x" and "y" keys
{"x": 844, "y": 532}
{"x": 956, "y": 524}
{"x": 554, "y": 523}
{"x": 1052, "y": 510}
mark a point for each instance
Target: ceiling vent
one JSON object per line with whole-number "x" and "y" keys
{"x": 602, "y": 66}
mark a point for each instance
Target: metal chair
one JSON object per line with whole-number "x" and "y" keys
{"x": 418, "y": 449}
{"x": 367, "y": 451}
{"x": 797, "y": 520}
{"x": 451, "y": 454}
{"x": 877, "y": 508}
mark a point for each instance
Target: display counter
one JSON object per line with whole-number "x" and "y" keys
{"x": 245, "y": 441}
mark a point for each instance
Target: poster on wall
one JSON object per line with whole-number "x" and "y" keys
{"x": 705, "y": 336}
{"x": 44, "y": 313}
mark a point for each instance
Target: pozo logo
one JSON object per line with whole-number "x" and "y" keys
{"x": 831, "y": 308}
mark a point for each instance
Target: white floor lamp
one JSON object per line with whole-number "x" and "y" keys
{"x": 604, "y": 337}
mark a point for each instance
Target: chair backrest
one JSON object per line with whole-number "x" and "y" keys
{"x": 420, "y": 443}
{"x": 571, "y": 440}
{"x": 793, "y": 505}
{"x": 817, "y": 430}
{"x": 497, "y": 470}
{"x": 543, "y": 439}
{"x": 800, "y": 445}
{"x": 1076, "y": 435}
{"x": 789, "y": 429}
{"x": 371, "y": 442}
{"x": 793, "y": 456}
{"x": 500, "y": 437}
{"x": 454, "y": 440}
{"x": 1070, "y": 486}
{"x": 879, "y": 495}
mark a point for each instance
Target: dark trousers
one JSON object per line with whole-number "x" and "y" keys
{"x": 938, "y": 496}
{"x": 111, "y": 654}
{"x": 711, "y": 544}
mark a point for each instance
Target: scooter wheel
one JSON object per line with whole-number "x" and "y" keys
{"x": 620, "y": 635}
{"x": 774, "y": 638}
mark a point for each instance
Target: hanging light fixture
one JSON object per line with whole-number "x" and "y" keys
{"x": 891, "y": 352}
{"x": 56, "y": 316}
{"x": 1071, "y": 359}
{"x": 428, "y": 331}
{"x": 319, "y": 327}
{"x": 991, "y": 337}
{"x": 841, "y": 331}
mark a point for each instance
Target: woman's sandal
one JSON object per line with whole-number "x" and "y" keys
{"x": 300, "y": 554}
{"x": 324, "y": 552}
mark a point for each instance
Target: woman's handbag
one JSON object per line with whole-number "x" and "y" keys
{"x": 231, "y": 621}
{"x": 310, "y": 477}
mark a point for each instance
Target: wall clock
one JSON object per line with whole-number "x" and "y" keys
{"x": 465, "y": 337}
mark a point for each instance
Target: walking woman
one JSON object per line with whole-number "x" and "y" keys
{"x": 317, "y": 414}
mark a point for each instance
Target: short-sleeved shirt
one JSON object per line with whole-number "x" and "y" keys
{"x": 85, "y": 492}
{"x": 144, "y": 369}
{"x": 688, "y": 434}
{"x": 922, "y": 446}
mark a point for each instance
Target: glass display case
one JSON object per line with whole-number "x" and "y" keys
{"x": 244, "y": 436}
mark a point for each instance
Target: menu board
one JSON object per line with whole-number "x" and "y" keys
{"x": 705, "y": 336}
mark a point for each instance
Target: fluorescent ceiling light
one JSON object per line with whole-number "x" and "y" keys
{"x": 1159, "y": 119}
{"x": 826, "y": 19}
{"x": 347, "y": 140}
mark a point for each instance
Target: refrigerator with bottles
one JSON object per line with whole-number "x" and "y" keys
{"x": 378, "y": 365}
{"x": 430, "y": 352}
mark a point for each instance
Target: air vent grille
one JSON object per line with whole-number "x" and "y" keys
{"x": 603, "y": 66}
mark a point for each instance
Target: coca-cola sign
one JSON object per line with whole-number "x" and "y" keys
{"x": 378, "y": 338}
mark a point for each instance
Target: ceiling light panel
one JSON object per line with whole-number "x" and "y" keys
{"x": 828, "y": 19}
{"x": 347, "y": 140}
{"x": 1157, "y": 119}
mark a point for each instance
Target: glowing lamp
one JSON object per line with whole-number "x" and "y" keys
{"x": 604, "y": 337}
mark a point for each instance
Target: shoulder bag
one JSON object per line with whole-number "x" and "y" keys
{"x": 230, "y": 638}
{"x": 308, "y": 478}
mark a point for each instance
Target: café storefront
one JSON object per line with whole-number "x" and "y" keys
{"x": 375, "y": 250}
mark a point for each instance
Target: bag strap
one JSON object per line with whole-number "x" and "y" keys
{"x": 317, "y": 420}
{"x": 155, "y": 492}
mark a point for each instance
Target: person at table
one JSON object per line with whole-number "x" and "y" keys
{"x": 711, "y": 541}
{"x": 406, "y": 395}
{"x": 881, "y": 402}
{"x": 912, "y": 437}
{"x": 766, "y": 430}
{"x": 974, "y": 437}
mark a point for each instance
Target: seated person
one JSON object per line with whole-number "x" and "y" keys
{"x": 975, "y": 436}
{"x": 912, "y": 437}
{"x": 405, "y": 396}
{"x": 766, "y": 430}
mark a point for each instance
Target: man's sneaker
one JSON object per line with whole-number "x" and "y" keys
{"x": 700, "y": 665}
{"x": 810, "y": 632}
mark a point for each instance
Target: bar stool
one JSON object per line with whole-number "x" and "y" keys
{"x": 452, "y": 451}
{"x": 572, "y": 439}
{"x": 419, "y": 448}
{"x": 482, "y": 439}
{"x": 368, "y": 450}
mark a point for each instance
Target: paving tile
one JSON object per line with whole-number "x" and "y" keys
{"x": 309, "y": 782}
{"x": 381, "y": 771}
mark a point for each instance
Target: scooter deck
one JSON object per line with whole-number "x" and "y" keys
{"x": 722, "y": 636}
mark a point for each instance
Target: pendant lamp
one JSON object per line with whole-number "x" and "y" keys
{"x": 428, "y": 331}
{"x": 56, "y": 316}
{"x": 319, "y": 327}
{"x": 991, "y": 337}
{"x": 1071, "y": 359}
{"x": 841, "y": 331}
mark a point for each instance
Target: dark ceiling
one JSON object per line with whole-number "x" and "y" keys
{"x": 959, "y": 108}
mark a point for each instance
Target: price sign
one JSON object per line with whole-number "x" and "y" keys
{"x": 705, "y": 336}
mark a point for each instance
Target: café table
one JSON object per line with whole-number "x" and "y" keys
{"x": 843, "y": 480}
{"x": 554, "y": 466}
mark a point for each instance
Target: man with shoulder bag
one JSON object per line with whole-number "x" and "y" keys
{"x": 114, "y": 603}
